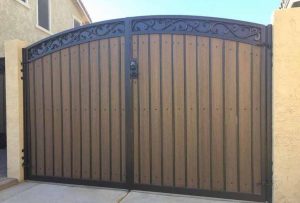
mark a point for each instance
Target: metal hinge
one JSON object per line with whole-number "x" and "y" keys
{"x": 267, "y": 45}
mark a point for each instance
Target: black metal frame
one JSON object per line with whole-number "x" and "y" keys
{"x": 250, "y": 33}
{"x": 3, "y": 134}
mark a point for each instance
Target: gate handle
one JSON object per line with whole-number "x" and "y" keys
{"x": 133, "y": 69}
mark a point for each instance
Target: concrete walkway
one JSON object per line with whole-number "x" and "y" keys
{"x": 34, "y": 192}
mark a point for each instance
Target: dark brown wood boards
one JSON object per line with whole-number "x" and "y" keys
{"x": 196, "y": 113}
{"x": 77, "y": 112}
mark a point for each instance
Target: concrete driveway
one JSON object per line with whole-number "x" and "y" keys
{"x": 36, "y": 192}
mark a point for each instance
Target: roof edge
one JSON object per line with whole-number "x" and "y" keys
{"x": 84, "y": 10}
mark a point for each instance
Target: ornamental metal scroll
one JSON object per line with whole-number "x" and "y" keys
{"x": 202, "y": 26}
{"x": 76, "y": 36}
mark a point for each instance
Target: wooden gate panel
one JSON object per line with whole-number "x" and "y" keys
{"x": 191, "y": 112}
{"x": 155, "y": 110}
{"x": 256, "y": 121}
{"x": 75, "y": 116}
{"x": 167, "y": 131}
{"x": 57, "y": 115}
{"x": 244, "y": 114}
{"x": 193, "y": 119}
{"x": 204, "y": 113}
{"x": 230, "y": 125}
{"x": 105, "y": 110}
{"x": 115, "y": 103}
{"x": 66, "y": 115}
{"x": 95, "y": 111}
{"x": 47, "y": 75}
{"x": 216, "y": 95}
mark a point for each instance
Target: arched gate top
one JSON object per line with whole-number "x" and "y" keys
{"x": 240, "y": 31}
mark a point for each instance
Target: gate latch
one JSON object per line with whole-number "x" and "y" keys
{"x": 133, "y": 69}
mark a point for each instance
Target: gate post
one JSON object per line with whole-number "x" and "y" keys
{"x": 14, "y": 108}
{"x": 286, "y": 105}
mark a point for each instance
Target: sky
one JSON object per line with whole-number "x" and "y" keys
{"x": 257, "y": 11}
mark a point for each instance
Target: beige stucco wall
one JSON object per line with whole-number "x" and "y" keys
{"x": 286, "y": 106}
{"x": 19, "y": 22}
{"x": 14, "y": 108}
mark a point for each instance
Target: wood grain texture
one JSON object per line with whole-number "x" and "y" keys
{"x": 204, "y": 113}
{"x": 66, "y": 112}
{"x": 179, "y": 109}
{"x": 57, "y": 114}
{"x": 47, "y": 74}
{"x": 76, "y": 125}
{"x": 245, "y": 118}
{"x": 167, "y": 112}
{"x": 95, "y": 110}
{"x": 155, "y": 106}
{"x": 191, "y": 112}
{"x": 230, "y": 128}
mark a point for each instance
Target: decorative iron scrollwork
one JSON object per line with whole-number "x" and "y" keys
{"x": 77, "y": 36}
{"x": 203, "y": 26}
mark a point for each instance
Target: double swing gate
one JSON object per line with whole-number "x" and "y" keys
{"x": 163, "y": 103}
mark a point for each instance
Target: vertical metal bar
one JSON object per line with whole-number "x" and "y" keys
{"x": 224, "y": 131}
{"x": 161, "y": 113}
{"x": 251, "y": 117}
{"x": 210, "y": 110}
{"x": 52, "y": 106}
{"x": 269, "y": 113}
{"x": 185, "y": 109}
{"x": 71, "y": 120}
{"x": 149, "y": 107}
{"x": 197, "y": 109}
{"x": 110, "y": 120}
{"x": 62, "y": 122}
{"x": 43, "y": 87}
{"x": 120, "y": 108}
{"x": 128, "y": 106}
{"x": 35, "y": 126}
{"x": 173, "y": 107}
{"x": 100, "y": 111}
{"x": 237, "y": 117}
{"x": 79, "y": 72}
{"x": 139, "y": 109}
{"x": 90, "y": 106}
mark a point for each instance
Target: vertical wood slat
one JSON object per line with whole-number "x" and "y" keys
{"x": 75, "y": 98}
{"x": 135, "y": 115}
{"x": 123, "y": 115}
{"x": 179, "y": 109}
{"x": 256, "y": 108}
{"x": 57, "y": 114}
{"x": 115, "y": 109}
{"x": 40, "y": 158}
{"x": 85, "y": 110}
{"x": 230, "y": 128}
{"x": 105, "y": 110}
{"x": 191, "y": 109}
{"x": 144, "y": 109}
{"x": 32, "y": 109}
{"x": 167, "y": 113}
{"x": 48, "y": 115}
{"x": 204, "y": 114}
{"x": 95, "y": 110}
{"x": 66, "y": 115}
{"x": 217, "y": 115}
{"x": 155, "y": 109}
{"x": 245, "y": 118}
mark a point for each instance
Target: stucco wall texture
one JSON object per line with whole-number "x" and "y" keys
{"x": 286, "y": 106}
{"x": 19, "y": 22}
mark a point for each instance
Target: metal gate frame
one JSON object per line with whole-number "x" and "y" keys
{"x": 250, "y": 33}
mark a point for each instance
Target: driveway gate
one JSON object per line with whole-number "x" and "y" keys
{"x": 163, "y": 103}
